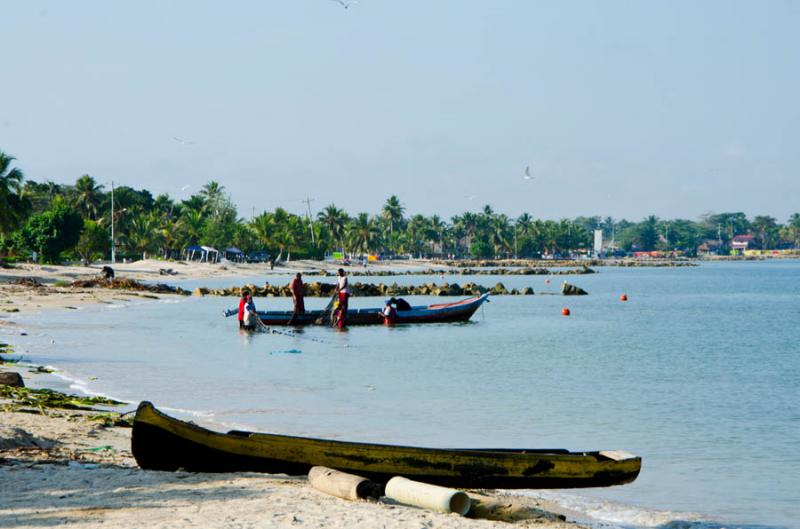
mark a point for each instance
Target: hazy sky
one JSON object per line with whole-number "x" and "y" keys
{"x": 673, "y": 108}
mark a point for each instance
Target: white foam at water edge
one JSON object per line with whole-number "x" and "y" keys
{"x": 203, "y": 414}
{"x": 168, "y": 301}
{"x": 81, "y": 386}
{"x": 612, "y": 515}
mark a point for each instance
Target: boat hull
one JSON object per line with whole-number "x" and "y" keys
{"x": 437, "y": 313}
{"x": 160, "y": 442}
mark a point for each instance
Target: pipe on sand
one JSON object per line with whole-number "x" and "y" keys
{"x": 433, "y": 497}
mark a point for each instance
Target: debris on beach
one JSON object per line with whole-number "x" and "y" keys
{"x": 28, "y": 282}
{"x": 127, "y": 284}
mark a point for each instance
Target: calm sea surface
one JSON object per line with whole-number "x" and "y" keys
{"x": 699, "y": 373}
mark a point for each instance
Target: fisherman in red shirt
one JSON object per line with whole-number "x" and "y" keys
{"x": 296, "y": 287}
{"x": 242, "y": 303}
{"x": 343, "y": 290}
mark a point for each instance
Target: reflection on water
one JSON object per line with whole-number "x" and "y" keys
{"x": 698, "y": 373}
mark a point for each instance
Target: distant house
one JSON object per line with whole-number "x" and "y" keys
{"x": 741, "y": 243}
{"x": 709, "y": 246}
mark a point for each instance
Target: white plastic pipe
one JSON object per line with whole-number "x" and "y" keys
{"x": 433, "y": 497}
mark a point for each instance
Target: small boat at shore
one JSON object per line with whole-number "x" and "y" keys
{"x": 436, "y": 313}
{"x": 160, "y": 442}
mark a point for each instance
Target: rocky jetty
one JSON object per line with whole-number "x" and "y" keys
{"x": 317, "y": 289}
{"x": 534, "y": 263}
{"x": 572, "y": 290}
{"x": 468, "y": 271}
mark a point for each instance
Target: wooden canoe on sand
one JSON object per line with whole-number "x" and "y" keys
{"x": 161, "y": 442}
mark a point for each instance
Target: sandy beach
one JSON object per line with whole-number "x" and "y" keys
{"x": 59, "y": 466}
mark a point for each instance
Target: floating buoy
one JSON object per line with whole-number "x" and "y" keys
{"x": 623, "y": 297}
{"x": 565, "y": 311}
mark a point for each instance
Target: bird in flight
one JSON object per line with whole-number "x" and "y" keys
{"x": 527, "y": 175}
{"x": 182, "y": 141}
{"x": 343, "y": 3}
{"x": 187, "y": 186}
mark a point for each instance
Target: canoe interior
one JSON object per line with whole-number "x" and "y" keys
{"x": 160, "y": 442}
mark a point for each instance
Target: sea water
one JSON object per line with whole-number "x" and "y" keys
{"x": 698, "y": 373}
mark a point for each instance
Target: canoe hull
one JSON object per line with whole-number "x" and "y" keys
{"x": 160, "y": 442}
{"x": 437, "y": 313}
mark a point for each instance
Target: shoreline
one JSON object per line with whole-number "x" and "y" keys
{"x": 60, "y": 466}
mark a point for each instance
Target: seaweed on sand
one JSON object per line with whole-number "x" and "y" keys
{"x": 48, "y": 398}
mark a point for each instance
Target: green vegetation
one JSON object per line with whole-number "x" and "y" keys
{"x": 48, "y": 398}
{"x": 62, "y": 222}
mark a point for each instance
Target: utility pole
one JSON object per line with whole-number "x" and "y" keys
{"x": 516, "y": 256}
{"x": 613, "y": 236}
{"x": 113, "y": 242}
{"x": 310, "y": 221}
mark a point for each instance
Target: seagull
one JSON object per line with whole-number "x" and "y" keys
{"x": 471, "y": 197}
{"x": 182, "y": 141}
{"x": 343, "y": 3}
{"x": 187, "y": 186}
{"x": 528, "y": 173}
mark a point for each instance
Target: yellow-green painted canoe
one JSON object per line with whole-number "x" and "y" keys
{"x": 161, "y": 442}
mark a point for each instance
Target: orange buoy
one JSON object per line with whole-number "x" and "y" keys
{"x": 565, "y": 311}
{"x": 623, "y": 297}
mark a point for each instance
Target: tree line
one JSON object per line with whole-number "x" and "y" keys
{"x": 65, "y": 222}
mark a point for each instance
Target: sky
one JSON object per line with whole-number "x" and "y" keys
{"x": 623, "y": 109}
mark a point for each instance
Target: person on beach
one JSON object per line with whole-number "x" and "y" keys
{"x": 250, "y": 314}
{"x": 343, "y": 291}
{"x": 242, "y": 303}
{"x": 296, "y": 287}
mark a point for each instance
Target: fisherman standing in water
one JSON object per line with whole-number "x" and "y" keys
{"x": 296, "y": 286}
{"x": 250, "y": 314}
{"x": 242, "y": 303}
{"x": 343, "y": 290}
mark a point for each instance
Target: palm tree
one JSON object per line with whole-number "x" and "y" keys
{"x": 468, "y": 223}
{"x": 362, "y": 233}
{"x": 263, "y": 228}
{"x": 392, "y": 212}
{"x": 87, "y": 196}
{"x": 191, "y": 225}
{"x": 524, "y": 225}
{"x": 416, "y": 231}
{"x": 334, "y": 219}
{"x": 13, "y": 206}
{"x": 793, "y": 229}
{"x": 766, "y": 227}
{"x": 437, "y": 227}
{"x": 143, "y": 234}
{"x": 212, "y": 194}
{"x": 500, "y": 234}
